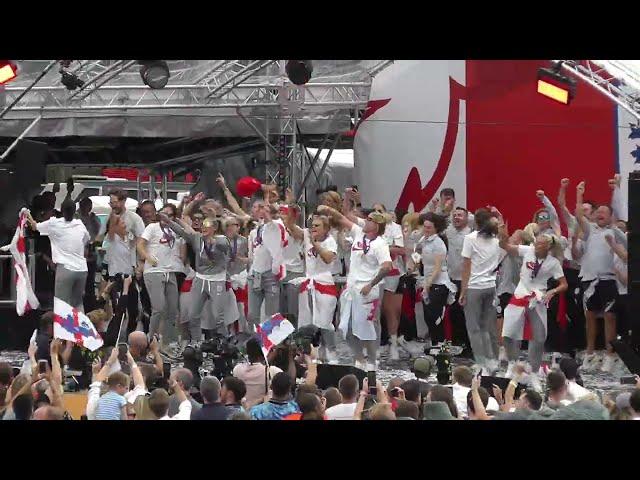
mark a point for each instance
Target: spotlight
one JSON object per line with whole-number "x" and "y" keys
{"x": 70, "y": 80}
{"x": 8, "y": 71}
{"x": 558, "y": 87}
{"x": 299, "y": 71}
{"x": 155, "y": 73}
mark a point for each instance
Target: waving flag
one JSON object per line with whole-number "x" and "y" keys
{"x": 25, "y": 298}
{"x": 70, "y": 324}
{"x": 273, "y": 331}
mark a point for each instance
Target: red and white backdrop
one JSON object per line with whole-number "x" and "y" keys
{"x": 480, "y": 127}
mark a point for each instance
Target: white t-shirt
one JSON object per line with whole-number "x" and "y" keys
{"x": 429, "y": 248}
{"x": 365, "y": 266}
{"x": 316, "y": 267}
{"x": 336, "y": 265}
{"x": 121, "y": 253}
{"x": 261, "y": 258}
{"x": 67, "y": 242}
{"x": 293, "y": 256}
{"x": 550, "y": 267}
{"x": 485, "y": 254}
{"x": 158, "y": 245}
{"x": 597, "y": 257}
{"x": 394, "y": 237}
{"x": 342, "y": 411}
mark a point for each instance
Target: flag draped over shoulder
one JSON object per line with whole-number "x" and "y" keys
{"x": 26, "y": 299}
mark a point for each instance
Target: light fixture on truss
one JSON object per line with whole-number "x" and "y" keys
{"x": 8, "y": 71}
{"x": 299, "y": 71}
{"x": 554, "y": 85}
{"x": 155, "y": 73}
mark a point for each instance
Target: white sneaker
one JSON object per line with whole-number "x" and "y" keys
{"x": 394, "y": 353}
{"x": 502, "y": 357}
{"x": 609, "y": 363}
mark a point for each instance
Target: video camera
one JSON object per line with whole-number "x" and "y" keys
{"x": 304, "y": 337}
{"x": 223, "y": 353}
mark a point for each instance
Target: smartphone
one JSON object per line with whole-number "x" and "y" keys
{"x": 354, "y": 188}
{"x": 123, "y": 349}
{"x": 42, "y": 366}
{"x": 395, "y": 392}
{"x": 371, "y": 378}
{"x": 628, "y": 380}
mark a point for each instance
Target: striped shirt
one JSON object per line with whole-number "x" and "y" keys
{"x": 110, "y": 406}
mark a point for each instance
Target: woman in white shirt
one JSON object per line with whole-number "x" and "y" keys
{"x": 164, "y": 255}
{"x": 318, "y": 294}
{"x": 69, "y": 238}
{"x": 531, "y": 297}
{"x": 360, "y": 300}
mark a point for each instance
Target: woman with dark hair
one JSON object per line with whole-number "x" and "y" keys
{"x": 481, "y": 255}
{"x": 359, "y": 302}
{"x": 69, "y": 238}
{"x": 255, "y": 374}
{"x": 164, "y": 255}
{"x": 437, "y": 287}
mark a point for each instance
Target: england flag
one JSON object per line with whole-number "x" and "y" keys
{"x": 70, "y": 324}
{"x": 273, "y": 331}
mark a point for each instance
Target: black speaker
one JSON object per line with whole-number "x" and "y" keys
{"x": 633, "y": 237}
{"x": 628, "y": 356}
{"x": 329, "y": 375}
{"x": 30, "y": 167}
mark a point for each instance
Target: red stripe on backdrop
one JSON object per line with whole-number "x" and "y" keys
{"x": 519, "y": 141}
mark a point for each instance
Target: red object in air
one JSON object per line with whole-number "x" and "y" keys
{"x": 247, "y": 186}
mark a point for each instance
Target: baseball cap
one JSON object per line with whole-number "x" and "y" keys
{"x": 422, "y": 365}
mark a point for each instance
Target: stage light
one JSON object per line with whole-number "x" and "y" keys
{"x": 155, "y": 73}
{"x": 70, "y": 80}
{"x": 8, "y": 71}
{"x": 554, "y": 85}
{"x": 299, "y": 71}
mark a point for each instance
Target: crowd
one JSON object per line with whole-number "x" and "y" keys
{"x": 182, "y": 275}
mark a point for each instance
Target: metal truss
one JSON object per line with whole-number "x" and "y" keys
{"x": 609, "y": 85}
{"x": 140, "y": 97}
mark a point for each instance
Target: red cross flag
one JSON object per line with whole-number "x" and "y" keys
{"x": 73, "y": 325}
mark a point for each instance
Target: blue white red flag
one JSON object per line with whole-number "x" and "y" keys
{"x": 273, "y": 331}
{"x": 73, "y": 325}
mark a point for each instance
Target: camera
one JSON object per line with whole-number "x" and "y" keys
{"x": 303, "y": 338}
{"x": 443, "y": 364}
{"x": 224, "y": 355}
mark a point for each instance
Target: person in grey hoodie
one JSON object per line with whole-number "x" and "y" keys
{"x": 213, "y": 253}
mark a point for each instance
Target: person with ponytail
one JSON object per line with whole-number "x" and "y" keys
{"x": 69, "y": 238}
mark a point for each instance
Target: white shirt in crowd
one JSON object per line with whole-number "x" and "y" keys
{"x": 455, "y": 239}
{"x": 184, "y": 412}
{"x": 485, "y": 254}
{"x": 265, "y": 246}
{"x": 293, "y": 256}
{"x": 549, "y": 267}
{"x": 158, "y": 245}
{"x": 68, "y": 240}
{"x": 597, "y": 257}
{"x": 460, "y": 394}
{"x": 621, "y": 266}
{"x": 365, "y": 266}
{"x": 342, "y": 411}
{"x": 121, "y": 252}
{"x": 317, "y": 269}
{"x": 394, "y": 238}
{"x": 575, "y": 392}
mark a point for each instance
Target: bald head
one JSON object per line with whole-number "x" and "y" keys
{"x": 48, "y": 413}
{"x": 137, "y": 343}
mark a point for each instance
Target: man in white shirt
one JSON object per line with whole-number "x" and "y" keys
{"x": 69, "y": 238}
{"x": 481, "y": 256}
{"x": 120, "y": 244}
{"x": 266, "y": 251}
{"x": 598, "y": 277}
{"x": 164, "y": 254}
{"x": 348, "y": 387}
{"x": 531, "y": 298}
{"x": 455, "y": 234}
